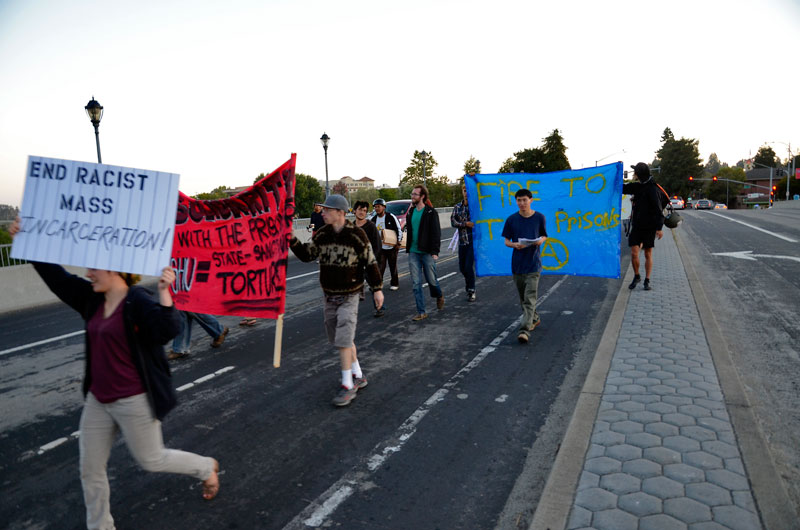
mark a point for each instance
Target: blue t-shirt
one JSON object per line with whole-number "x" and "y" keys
{"x": 528, "y": 259}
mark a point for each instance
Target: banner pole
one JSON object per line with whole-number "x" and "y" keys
{"x": 276, "y": 354}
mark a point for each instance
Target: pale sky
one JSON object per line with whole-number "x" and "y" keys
{"x": 221, "y": 91}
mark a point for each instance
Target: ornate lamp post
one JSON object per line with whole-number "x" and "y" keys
{"x": 424, "y": 179}
{"x": 325, "y": 139}
{"x": 95, "y": 112}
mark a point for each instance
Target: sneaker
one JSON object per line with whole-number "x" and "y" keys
{"x": 522, "y": 337}
{"x": 421, "y": 316}
{"x": 440, "y": 303}
{"x": 394, "y": 287}
{"x": 635, "y": 282}
{"x": 345, "y": 396}
{"x": 471, "y": 296}
{"x": 535, "y": 324}
{"x": 647, "y": 285}
{"x": 175, "y": 355}
{"x": 360, "y": 382}
{"x": 216, "y": 343}
{"x": 380, "y": 312}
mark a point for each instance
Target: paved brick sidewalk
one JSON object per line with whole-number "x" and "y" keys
{"x": 663, "y": 453}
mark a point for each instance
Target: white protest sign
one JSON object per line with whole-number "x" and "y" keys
{"x": 97, "y": 215}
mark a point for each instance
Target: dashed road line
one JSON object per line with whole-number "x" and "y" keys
{"x": 315, "y": 514}
{"x": 55, "y": 443}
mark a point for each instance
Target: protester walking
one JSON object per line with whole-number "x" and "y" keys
{"x": 127, "y": 383}
{"x": 423, "y": 236}
{"x": 316, "y": 222}
{"x": 346, "y": 261}
{"x": 360, "y": 210}
{"x": 181, "y": 342}
{"x": 386, "y": 221}
{"x": 525, "y": 231}
{"x": 460, "y": 219}
{"x": 647, "y": 220}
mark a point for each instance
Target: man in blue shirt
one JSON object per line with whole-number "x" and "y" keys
{"x": 525, "y": 232}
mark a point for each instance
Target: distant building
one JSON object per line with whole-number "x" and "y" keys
{"x": 352, "y": 185}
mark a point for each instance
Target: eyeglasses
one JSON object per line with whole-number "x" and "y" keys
{"x": 416, "y": 194}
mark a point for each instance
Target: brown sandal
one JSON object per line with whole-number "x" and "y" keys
{"x": 211, "y": 484}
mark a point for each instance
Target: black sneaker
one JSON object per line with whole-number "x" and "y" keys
{"x": 635, "y": 282}
{"x": 471, "y": 296}
{"x": 345, "y": 396}
{"x": 647, "y": 285}
{"x": 380, "y": 312}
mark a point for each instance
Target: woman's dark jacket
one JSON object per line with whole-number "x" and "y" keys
{"x": 148, "y": 326}
{"x": 430, "y": 233}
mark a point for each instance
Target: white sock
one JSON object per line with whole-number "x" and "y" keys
{"x": 347, "y": 379}
{"x": 356, "y": 369}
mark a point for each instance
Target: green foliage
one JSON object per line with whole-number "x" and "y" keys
{"x": 5, "y": 237}
{"x": 307, "y": 192}
{"x": 364, "y": 194}
{"x": 413, "y": 173}
{"x": 713, "y": 165}
{"x": 216, "y": 193}
{"x": 550, "y": 156}
{"x": 677, "y": 160}
{"x": 472, "y": 166}
{"x": 767, "y": 157}
{"x": 716, "y": 191}
{"x": 8, "y": 212}
{"x": 389, "y": 194}
{"x": 442, "y": 193}
{"x": 259, "y": 177}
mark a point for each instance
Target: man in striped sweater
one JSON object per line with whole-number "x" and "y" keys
{"x": 346, "y": 260}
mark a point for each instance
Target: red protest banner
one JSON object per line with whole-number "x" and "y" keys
{"x": 230, "y": 254}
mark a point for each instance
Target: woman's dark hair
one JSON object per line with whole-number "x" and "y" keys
{"x": 130, "y": 278}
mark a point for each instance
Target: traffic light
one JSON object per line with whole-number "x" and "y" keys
{"x": 714, "y": 178}
{"x": 691, "y": 178}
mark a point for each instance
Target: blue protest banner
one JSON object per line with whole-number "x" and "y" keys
{"x": 582, "y": 213}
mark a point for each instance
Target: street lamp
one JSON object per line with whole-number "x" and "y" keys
{"x": 95, "y": 112}
{"x": 424, "y": 180}
{"x": 325, "y": 139}
{"x": 607, "y": 156}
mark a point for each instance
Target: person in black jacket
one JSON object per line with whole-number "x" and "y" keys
{"x": 423, "y": 235}
{"x": 647, "y": 219}
{"x": 387, "y": 221}
{"x": 127, "y": 383}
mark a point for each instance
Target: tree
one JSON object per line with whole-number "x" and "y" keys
{"x": 766, "y": 156}
{"x": 413, "y": 173}
{"x": 713, "y": 165}
{"x": 472, "y": 166}
{"x": 216, "y": 193}
{"x": 678, "y": 160}
{"x": 340, "y": 188}
{"x": 551, "y": 156}
{"x": 307, "y": 192}
{"x": 8, "y": 212}
{"x": 389, "y": 194}
{"x": 365, "y": 194}
{"x": 722, "y": 191}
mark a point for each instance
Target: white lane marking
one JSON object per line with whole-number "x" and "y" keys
{"x": 45, "y": 341}
{"x": 565, "y": 312}
{"x": 55, "y": 443}
{"x": 315, "y": 514}
{"x": 789, "y": 239}
{"x": 501, "y": 398}
{"x": 462, "y": 396}
{"x": 424, "y": 285}
{"x": 749, "y": 256}
{"x": 302, "y": 275}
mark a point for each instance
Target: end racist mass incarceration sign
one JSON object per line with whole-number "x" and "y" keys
{"x": 230, "y": 254}
{"x": 97, "y": 215}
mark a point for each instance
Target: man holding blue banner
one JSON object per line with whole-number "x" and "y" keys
{"x": 525, "y": 232}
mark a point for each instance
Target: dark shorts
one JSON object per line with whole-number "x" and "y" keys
{"x": 639, "y": 237}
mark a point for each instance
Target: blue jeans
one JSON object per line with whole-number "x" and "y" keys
{"x": 180, "y": 344}
{"x": 466, "y": 264}
{"x": 419, "y": 264}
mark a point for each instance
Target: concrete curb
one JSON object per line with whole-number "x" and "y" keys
{"x": 772, "y": 501}
{"x": 552, "y": 511}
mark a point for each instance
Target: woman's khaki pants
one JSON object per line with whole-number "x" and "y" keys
{"x": 100, "y": 423}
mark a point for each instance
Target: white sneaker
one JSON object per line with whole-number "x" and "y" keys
{"x": 394, "y": 288}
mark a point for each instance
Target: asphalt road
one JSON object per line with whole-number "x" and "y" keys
{"x": 454, "y": 410}
{"x": 750, "y": 264}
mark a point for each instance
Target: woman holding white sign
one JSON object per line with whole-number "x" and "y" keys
{"x": 127, "y": 383}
